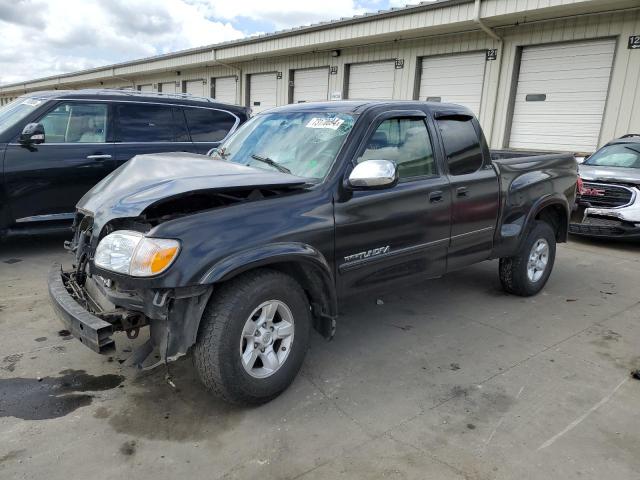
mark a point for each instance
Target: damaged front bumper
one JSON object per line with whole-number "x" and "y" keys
{"x": 92, "y": 331}
{"x": 621, "y": 222}
{"x": 94, "y": 312}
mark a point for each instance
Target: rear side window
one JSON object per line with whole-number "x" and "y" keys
{"x": 149, "y": 123}
{"x": 208, "y": 125}
{"x": 461, "y": 145}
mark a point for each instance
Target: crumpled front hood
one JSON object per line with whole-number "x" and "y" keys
{"x": 146, "y": 179}
{"x": 591, "y": 173}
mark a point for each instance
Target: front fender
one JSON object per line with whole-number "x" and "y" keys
{"x": 302, "y": 261}
{"x": 281, "y": 252}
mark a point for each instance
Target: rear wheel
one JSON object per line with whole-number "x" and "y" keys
{"x": 527, "y": 273}
{"x": 253, "y": 337}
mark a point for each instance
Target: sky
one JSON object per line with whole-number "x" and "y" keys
{"x": 39, "y": 38}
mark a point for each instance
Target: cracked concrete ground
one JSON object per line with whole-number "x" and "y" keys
{"x": 448, "y": 379}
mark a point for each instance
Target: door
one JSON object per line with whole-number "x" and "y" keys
{"x": 474, "y": 190}
{"x": 561, "y": 96}
{"x": 149, "y": 128}
{"x": 311, "y": 85}
{"x": 167, "y": 87}
{"x": 225, "y": 89}
{"x": 263, "y": 91}
{"x": 44, "y": 182}
{"x": 145, "y": 88}
{"x": 399, "y": 233}
{"x": 371, "y": 81}
{"x": 453, "y": 79}
{"x": 194, "y": 87}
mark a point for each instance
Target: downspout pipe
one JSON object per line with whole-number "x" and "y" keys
{"x": 478, "y": 19}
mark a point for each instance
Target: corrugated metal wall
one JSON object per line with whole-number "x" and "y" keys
{"x": 622, "y": 112}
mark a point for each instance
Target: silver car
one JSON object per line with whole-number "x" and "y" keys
{"x": 609, "y": 203}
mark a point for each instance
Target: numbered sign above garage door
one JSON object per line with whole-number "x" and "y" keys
{"x": 224, "y": 89}
{"x": 311, "y": 85}
{"x": 195, "y": 87}
{"x": 454, "y": 79}
{"x": 263, "y": 91}
{"x": 371, "y": 81}
{"x": 561, "y": 95}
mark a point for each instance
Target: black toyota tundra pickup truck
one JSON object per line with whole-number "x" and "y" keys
{"x": 238, "y": 255}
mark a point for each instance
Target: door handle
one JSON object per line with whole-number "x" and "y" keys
{"x": 461, "y": 191}
{"x": 435, "y": 197}
{"x": 98, "y": 157}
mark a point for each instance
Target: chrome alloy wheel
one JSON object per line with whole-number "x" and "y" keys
{"x": 266, "y": 339}
{"x": 538, "y": 260}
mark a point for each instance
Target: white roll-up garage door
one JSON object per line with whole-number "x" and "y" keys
{"x": 225, "y": 89}
{"x": 561, "y": 95}
{"x": 263, "y": 91}
{"x": 454, "y": 79}
{"x": 195, "y": 87}
{"x": 167, "y": 87}
{"x": 145, "y": 88}
{"x": 371, "y": 81}
{"x": 310, "y": 85}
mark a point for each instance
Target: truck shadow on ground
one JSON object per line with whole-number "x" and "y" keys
{"x": 155, "y": 410}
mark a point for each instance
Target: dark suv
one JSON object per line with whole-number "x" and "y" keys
{"x": 55, "y": 146}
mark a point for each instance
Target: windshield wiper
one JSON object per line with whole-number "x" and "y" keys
{"x": 271, "y": 162}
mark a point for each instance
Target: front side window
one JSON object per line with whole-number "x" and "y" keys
{"x": 461, "y": 145}
{"x": 75, "y": 122}
{"x": 304, "y": 144}
{"x": 625, "y": 155}
{"x": 406, "y": 142}
{"x": 208, "y": 125}
{"x": 147, "y": 123}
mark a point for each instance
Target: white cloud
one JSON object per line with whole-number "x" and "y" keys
{"x": 59, "y": 36}
{"x": 48, "y": 37}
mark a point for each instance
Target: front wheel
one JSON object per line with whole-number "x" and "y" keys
{"x": 527, "y": 273}
{"x": 253, "y": 337}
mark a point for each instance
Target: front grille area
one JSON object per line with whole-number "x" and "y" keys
{"x": 606, "y": 196}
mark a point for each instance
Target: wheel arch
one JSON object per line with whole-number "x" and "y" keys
{"x": 303, "y": 262}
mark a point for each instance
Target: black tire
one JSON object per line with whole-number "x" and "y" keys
{"x": 513, "y": 270}
{"x": 216, "y": 354}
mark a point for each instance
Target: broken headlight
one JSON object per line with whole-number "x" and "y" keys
{"x": 131, "y": 253}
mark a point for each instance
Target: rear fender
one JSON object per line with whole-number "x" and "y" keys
{"x": 513, "y": 232}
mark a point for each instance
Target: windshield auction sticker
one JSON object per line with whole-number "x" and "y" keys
{"x": 331, "y": 123}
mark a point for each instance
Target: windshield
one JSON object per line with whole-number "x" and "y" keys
{"x": 620, "y": 155}
{"x": 304, "y": 144}
{"x": 15, "y": 111}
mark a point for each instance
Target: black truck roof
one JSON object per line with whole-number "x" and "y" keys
{"x": 360, "y": 106}
{"x": 129, "y": 95}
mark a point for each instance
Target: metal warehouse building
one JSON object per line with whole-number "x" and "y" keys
{"x": 540, "y": 74}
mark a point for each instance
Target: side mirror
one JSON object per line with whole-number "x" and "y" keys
{"x": 374, "y": 174}
{"x": 32, "y": 134}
